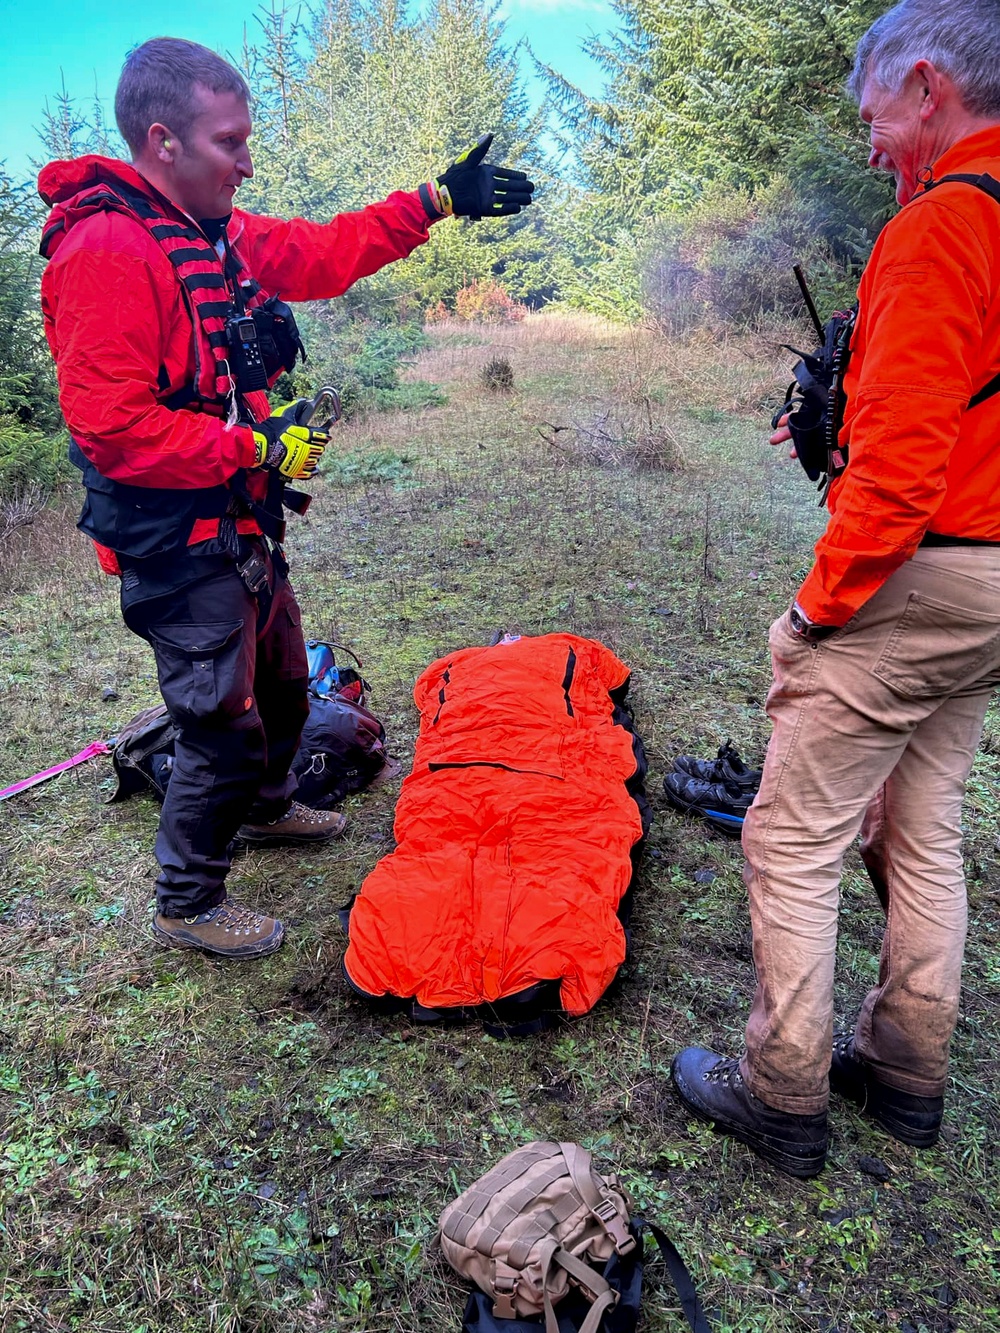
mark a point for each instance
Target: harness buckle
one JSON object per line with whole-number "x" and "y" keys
{"x": 253, "y": 572}
{"x": 504, "y": 1283}
{"x": 615, "y": 1226}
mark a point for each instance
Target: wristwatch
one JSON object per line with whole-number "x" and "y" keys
{"x": 805, "y": 629}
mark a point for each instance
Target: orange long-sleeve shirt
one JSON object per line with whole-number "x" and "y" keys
{"x": 927, "y": 339}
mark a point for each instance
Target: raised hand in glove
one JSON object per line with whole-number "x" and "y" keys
{"x": 472, "y": 188}
{"x": 292, "y": 449}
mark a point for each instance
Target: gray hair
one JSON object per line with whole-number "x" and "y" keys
{"x": 960, "y": 37}
{"x": 157, "y": 85}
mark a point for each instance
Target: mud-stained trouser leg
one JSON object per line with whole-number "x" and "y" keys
{"x": 845, "y": 713}
{"x": 911, "y": 843}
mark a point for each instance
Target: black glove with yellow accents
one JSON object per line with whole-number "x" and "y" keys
{"x": 472, "y": 188}
{"x": 283, "y": 444}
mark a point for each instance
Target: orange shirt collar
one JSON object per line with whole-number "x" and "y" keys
{"x": 979, "y": 149}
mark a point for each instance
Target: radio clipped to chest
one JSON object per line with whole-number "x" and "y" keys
{"x": 815, "y": 400}
{"x": 262, "y": 342}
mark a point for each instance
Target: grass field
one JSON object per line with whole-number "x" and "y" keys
{"x": 187, "y": 1145}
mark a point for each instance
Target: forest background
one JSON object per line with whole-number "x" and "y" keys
{"x": 721, "y": 150}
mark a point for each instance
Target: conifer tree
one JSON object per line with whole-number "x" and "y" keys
{"x": 709, "y": 96}
{"x": 370, "y": 99}
{"x": 734, "y": 91}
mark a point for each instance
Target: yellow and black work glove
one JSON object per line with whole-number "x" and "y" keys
{"x": 292, "y": 449}
{"x": 472, "y": 188}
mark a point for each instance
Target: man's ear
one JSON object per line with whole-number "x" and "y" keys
{"x": 161, "y": 143}
{"x": 932, "y": 87}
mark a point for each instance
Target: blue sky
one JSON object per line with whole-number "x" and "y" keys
{"x": 84, "y": 41}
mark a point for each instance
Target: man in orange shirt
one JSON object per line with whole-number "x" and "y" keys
{"x": 885, "y": 664}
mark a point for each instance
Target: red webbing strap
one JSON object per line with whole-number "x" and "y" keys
{"x": 90, "y": 752}
{"x": 205, "y": 286}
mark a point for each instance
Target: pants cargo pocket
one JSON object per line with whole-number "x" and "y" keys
{"x": 937, "y": 648}
{"x": 294, "y": 664}
{"x": 205, "y": 671}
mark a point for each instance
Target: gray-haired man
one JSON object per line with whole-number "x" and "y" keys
{"x": 885, "y": 664}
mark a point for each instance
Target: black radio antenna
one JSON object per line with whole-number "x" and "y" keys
{"x": 800, "y": 278}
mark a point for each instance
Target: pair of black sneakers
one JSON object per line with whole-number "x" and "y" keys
{"x": 719, "y": 790}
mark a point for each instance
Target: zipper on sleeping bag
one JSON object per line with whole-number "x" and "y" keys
{"x": 493, "y": 763}
{"x": 568, "y": 680}
{"x": 445, "y": 679}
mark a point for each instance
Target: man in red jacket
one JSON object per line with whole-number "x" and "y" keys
{"x": 162, "y": 313}
{"x": 885, "y": 664}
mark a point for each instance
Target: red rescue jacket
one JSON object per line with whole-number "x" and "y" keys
{"x": 120, "y": 331}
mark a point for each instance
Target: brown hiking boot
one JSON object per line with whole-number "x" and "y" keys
{"x": 298, "y": 825}
{"x": 227, "y": 931}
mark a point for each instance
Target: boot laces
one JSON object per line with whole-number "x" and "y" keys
{"x": 726, "y": 1072}
{"x": 239, "y": 920}
{"x": 304, "y": 814}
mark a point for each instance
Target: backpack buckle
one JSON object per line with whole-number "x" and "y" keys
{"x": 504, "y": 1286}
{"x": 612, "y": 1222}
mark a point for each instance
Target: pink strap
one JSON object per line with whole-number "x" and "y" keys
{"x": 91, "y": 752}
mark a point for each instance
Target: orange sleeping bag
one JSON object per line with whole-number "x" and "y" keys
{"x": 515, "y": 832}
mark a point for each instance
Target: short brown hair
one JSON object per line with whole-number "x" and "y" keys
{"x": 157, "y": 85}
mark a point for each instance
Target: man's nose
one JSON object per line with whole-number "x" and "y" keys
{"x": 245, "y": 165}
{"x": 873, "y": 157}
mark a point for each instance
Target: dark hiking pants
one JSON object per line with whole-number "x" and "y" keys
{"x": 233, "y": 674}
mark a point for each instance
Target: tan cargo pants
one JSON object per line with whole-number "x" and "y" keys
{"x": 875, "y": 730}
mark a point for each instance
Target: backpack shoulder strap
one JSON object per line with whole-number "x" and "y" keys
{"x": 596, "y": 1199}
{"x": 985, "y": 182}
{"x": 991, "y": 186}
{"x": 694, "y": 1311}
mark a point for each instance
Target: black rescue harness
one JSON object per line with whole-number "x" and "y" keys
{"x": 243, "y": 340}
{"x": 815, "y": 401}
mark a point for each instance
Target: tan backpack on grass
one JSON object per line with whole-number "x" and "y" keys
{"x": 543, "y": 1228}
{"x": 540, "y": 1218}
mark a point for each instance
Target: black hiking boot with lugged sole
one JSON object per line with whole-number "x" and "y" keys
{"x": 712, "y": 1087}
{"x": 227, "y": 931}
{"x": 907, "y": 1117}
